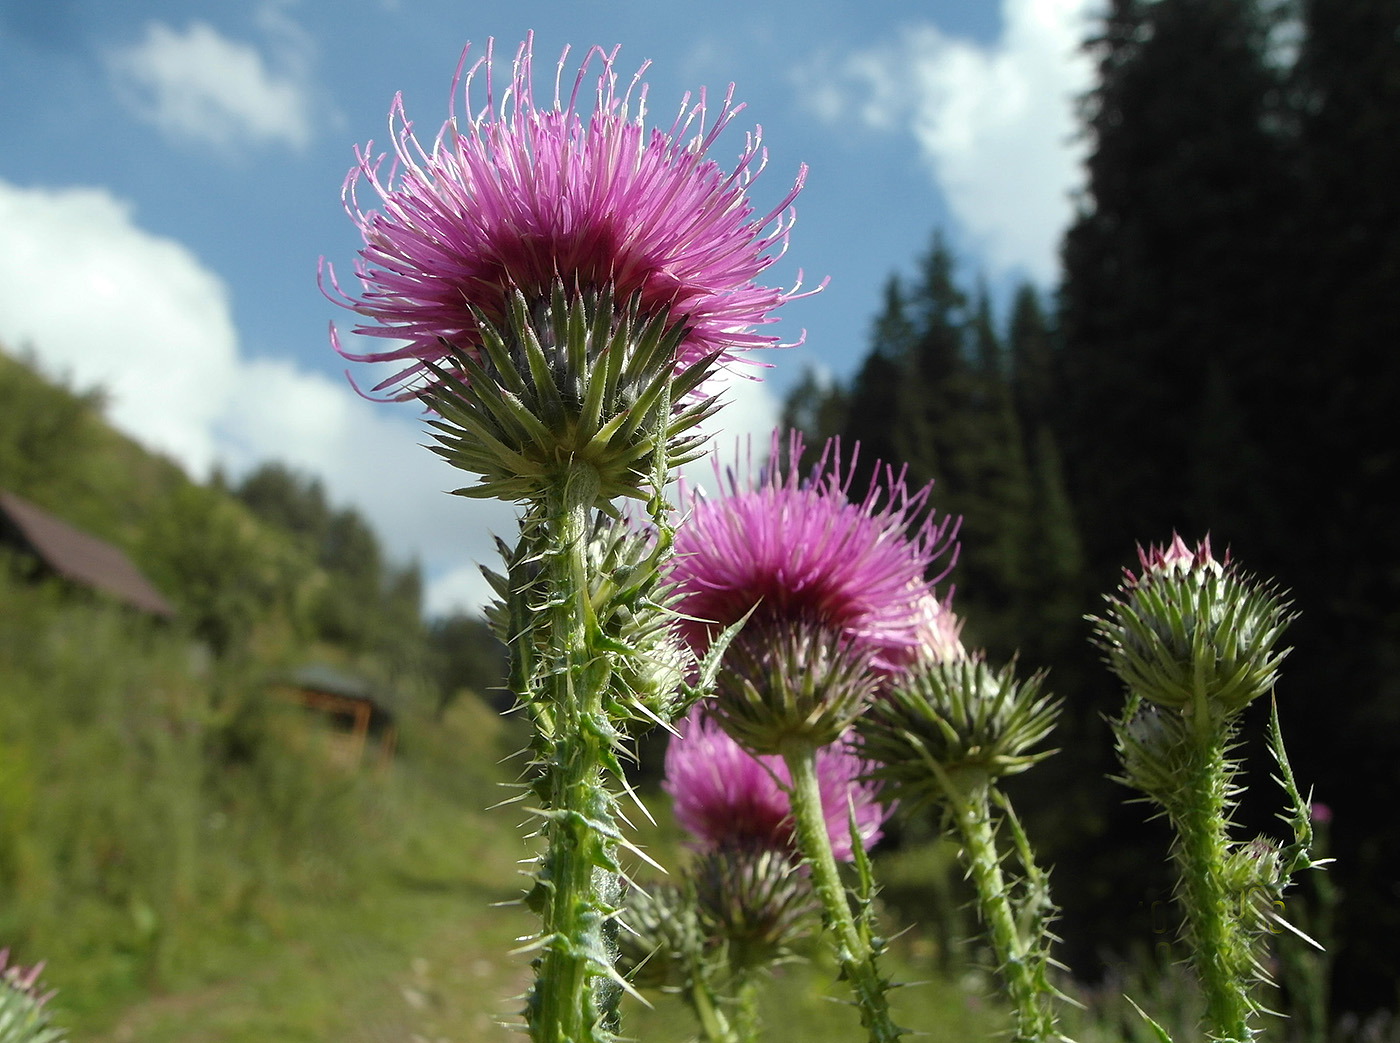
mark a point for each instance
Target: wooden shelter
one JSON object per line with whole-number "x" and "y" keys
{"x": 78, "y": 557}
{"x": 357, "y": 714}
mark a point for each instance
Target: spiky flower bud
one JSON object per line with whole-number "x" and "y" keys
{"x": 756, "y": 902}
{"x": 1152, "y": 748}
{"x": 648, "y": 660}
{"x": 805, "y": 682}
{"x": 1193, "y": 633}
{"x": 660, "y": 942}
{"x": 955, "y": 723}
{"x": 23, "y": 1014}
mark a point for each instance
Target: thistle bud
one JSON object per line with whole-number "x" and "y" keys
{"x": 956, "y": 723}
{"x": 1191, "y": 632}
{"x": 659, "y": 940}
{"x": 1152, "y": 749}
{"x": 23, "y": 1016}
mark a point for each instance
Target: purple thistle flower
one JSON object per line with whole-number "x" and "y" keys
{"x": 806, "y": 554}
{"x": 725, "y": 797}
{"x": 520, "y": 197}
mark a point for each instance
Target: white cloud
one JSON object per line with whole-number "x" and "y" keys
{"x": 200, "y": 85}
{"x": 107, "y": 303}
{"x": 995, "y": 123}
{"x": 115, "y": 306}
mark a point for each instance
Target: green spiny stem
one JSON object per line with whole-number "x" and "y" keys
{"x": 1221, "y": 946}
{"x": 575, "y": 995}
{"x": 1018, "y": 958}
{"x": 853, "y": 949}
{"x": 714, "y": 1026}
{"x": 746, "y": 1009}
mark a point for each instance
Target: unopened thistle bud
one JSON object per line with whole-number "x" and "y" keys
{"x": 955, "y": 723}
{"x": 1193, "y": 633}
{"x": 1152, "y": 748}
{"x": 645, "y": 654}
{"x": 24, "y": 1018}
{"x": 660, "y": 943}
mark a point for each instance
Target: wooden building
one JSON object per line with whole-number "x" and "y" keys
{"x": 56, "y": 548}
{"x": 360, "y": 720}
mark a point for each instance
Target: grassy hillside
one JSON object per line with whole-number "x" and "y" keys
{"x": 175, "y": 840}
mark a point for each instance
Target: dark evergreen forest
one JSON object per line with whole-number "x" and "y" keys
{"x": 1222, "y": 356}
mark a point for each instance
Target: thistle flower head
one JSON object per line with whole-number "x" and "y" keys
{"x": 517, "y": 196}
{"x": 725, "y": 797}
{"x": 1192, "y": 632}
{"x": 801, "y": 552}
{"x": 660, "y": 943}
{"x": 756, "y": 902}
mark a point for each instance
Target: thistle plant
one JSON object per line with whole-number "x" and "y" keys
{"x": 746, "y": 892}
{"x": 564, "y": 280}
{"x": 834, "y": 592}
{"x": 944, "y": 734}
{"x": 715, "y": 937}
{"x": 24, "y": 1016}
{"x": 1194, "y": 640}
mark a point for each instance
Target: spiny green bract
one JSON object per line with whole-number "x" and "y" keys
{"x": 1192, "y": 628}
{"x": 948, "y": 721}
{"x": 569, "y": 381}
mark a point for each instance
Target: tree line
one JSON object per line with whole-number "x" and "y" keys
{"x": 1219, "y": 357}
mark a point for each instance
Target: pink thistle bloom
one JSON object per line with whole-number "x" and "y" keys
{"x": 724, "y": 796}
{"x": 940, "y": 632}
{"x": 805, "y": 553}
{"x": 514, "y": 196}
{"x": 1176, "y": 559}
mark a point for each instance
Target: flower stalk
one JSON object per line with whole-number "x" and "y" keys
{"x": 1194, "y": 641}
{"x": 1222, "y": 953}
{"x": 943, "y": 735}
{"x": 1017, "y": 940}
{"x": 853, "y": 946}
{"x": 576, "y": 989}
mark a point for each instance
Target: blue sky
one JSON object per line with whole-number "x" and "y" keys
{"x": 170, "y": 174}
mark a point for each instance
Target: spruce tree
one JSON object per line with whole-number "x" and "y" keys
{"x": 1337, "y": 398}
{"x": 1167, "y": 267}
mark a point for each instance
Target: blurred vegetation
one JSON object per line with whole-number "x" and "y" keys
{"x": 167, "y": 819}
{"x": 176, "y": 840}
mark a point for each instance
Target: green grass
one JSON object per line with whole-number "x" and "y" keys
{"x": 194, "y": 870}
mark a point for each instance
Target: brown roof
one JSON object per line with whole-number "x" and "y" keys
{"x": 77, "y": 556}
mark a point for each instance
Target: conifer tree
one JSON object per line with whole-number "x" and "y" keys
{"x": 1166, "y": 285}
{"x": 1337, "y": 394}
